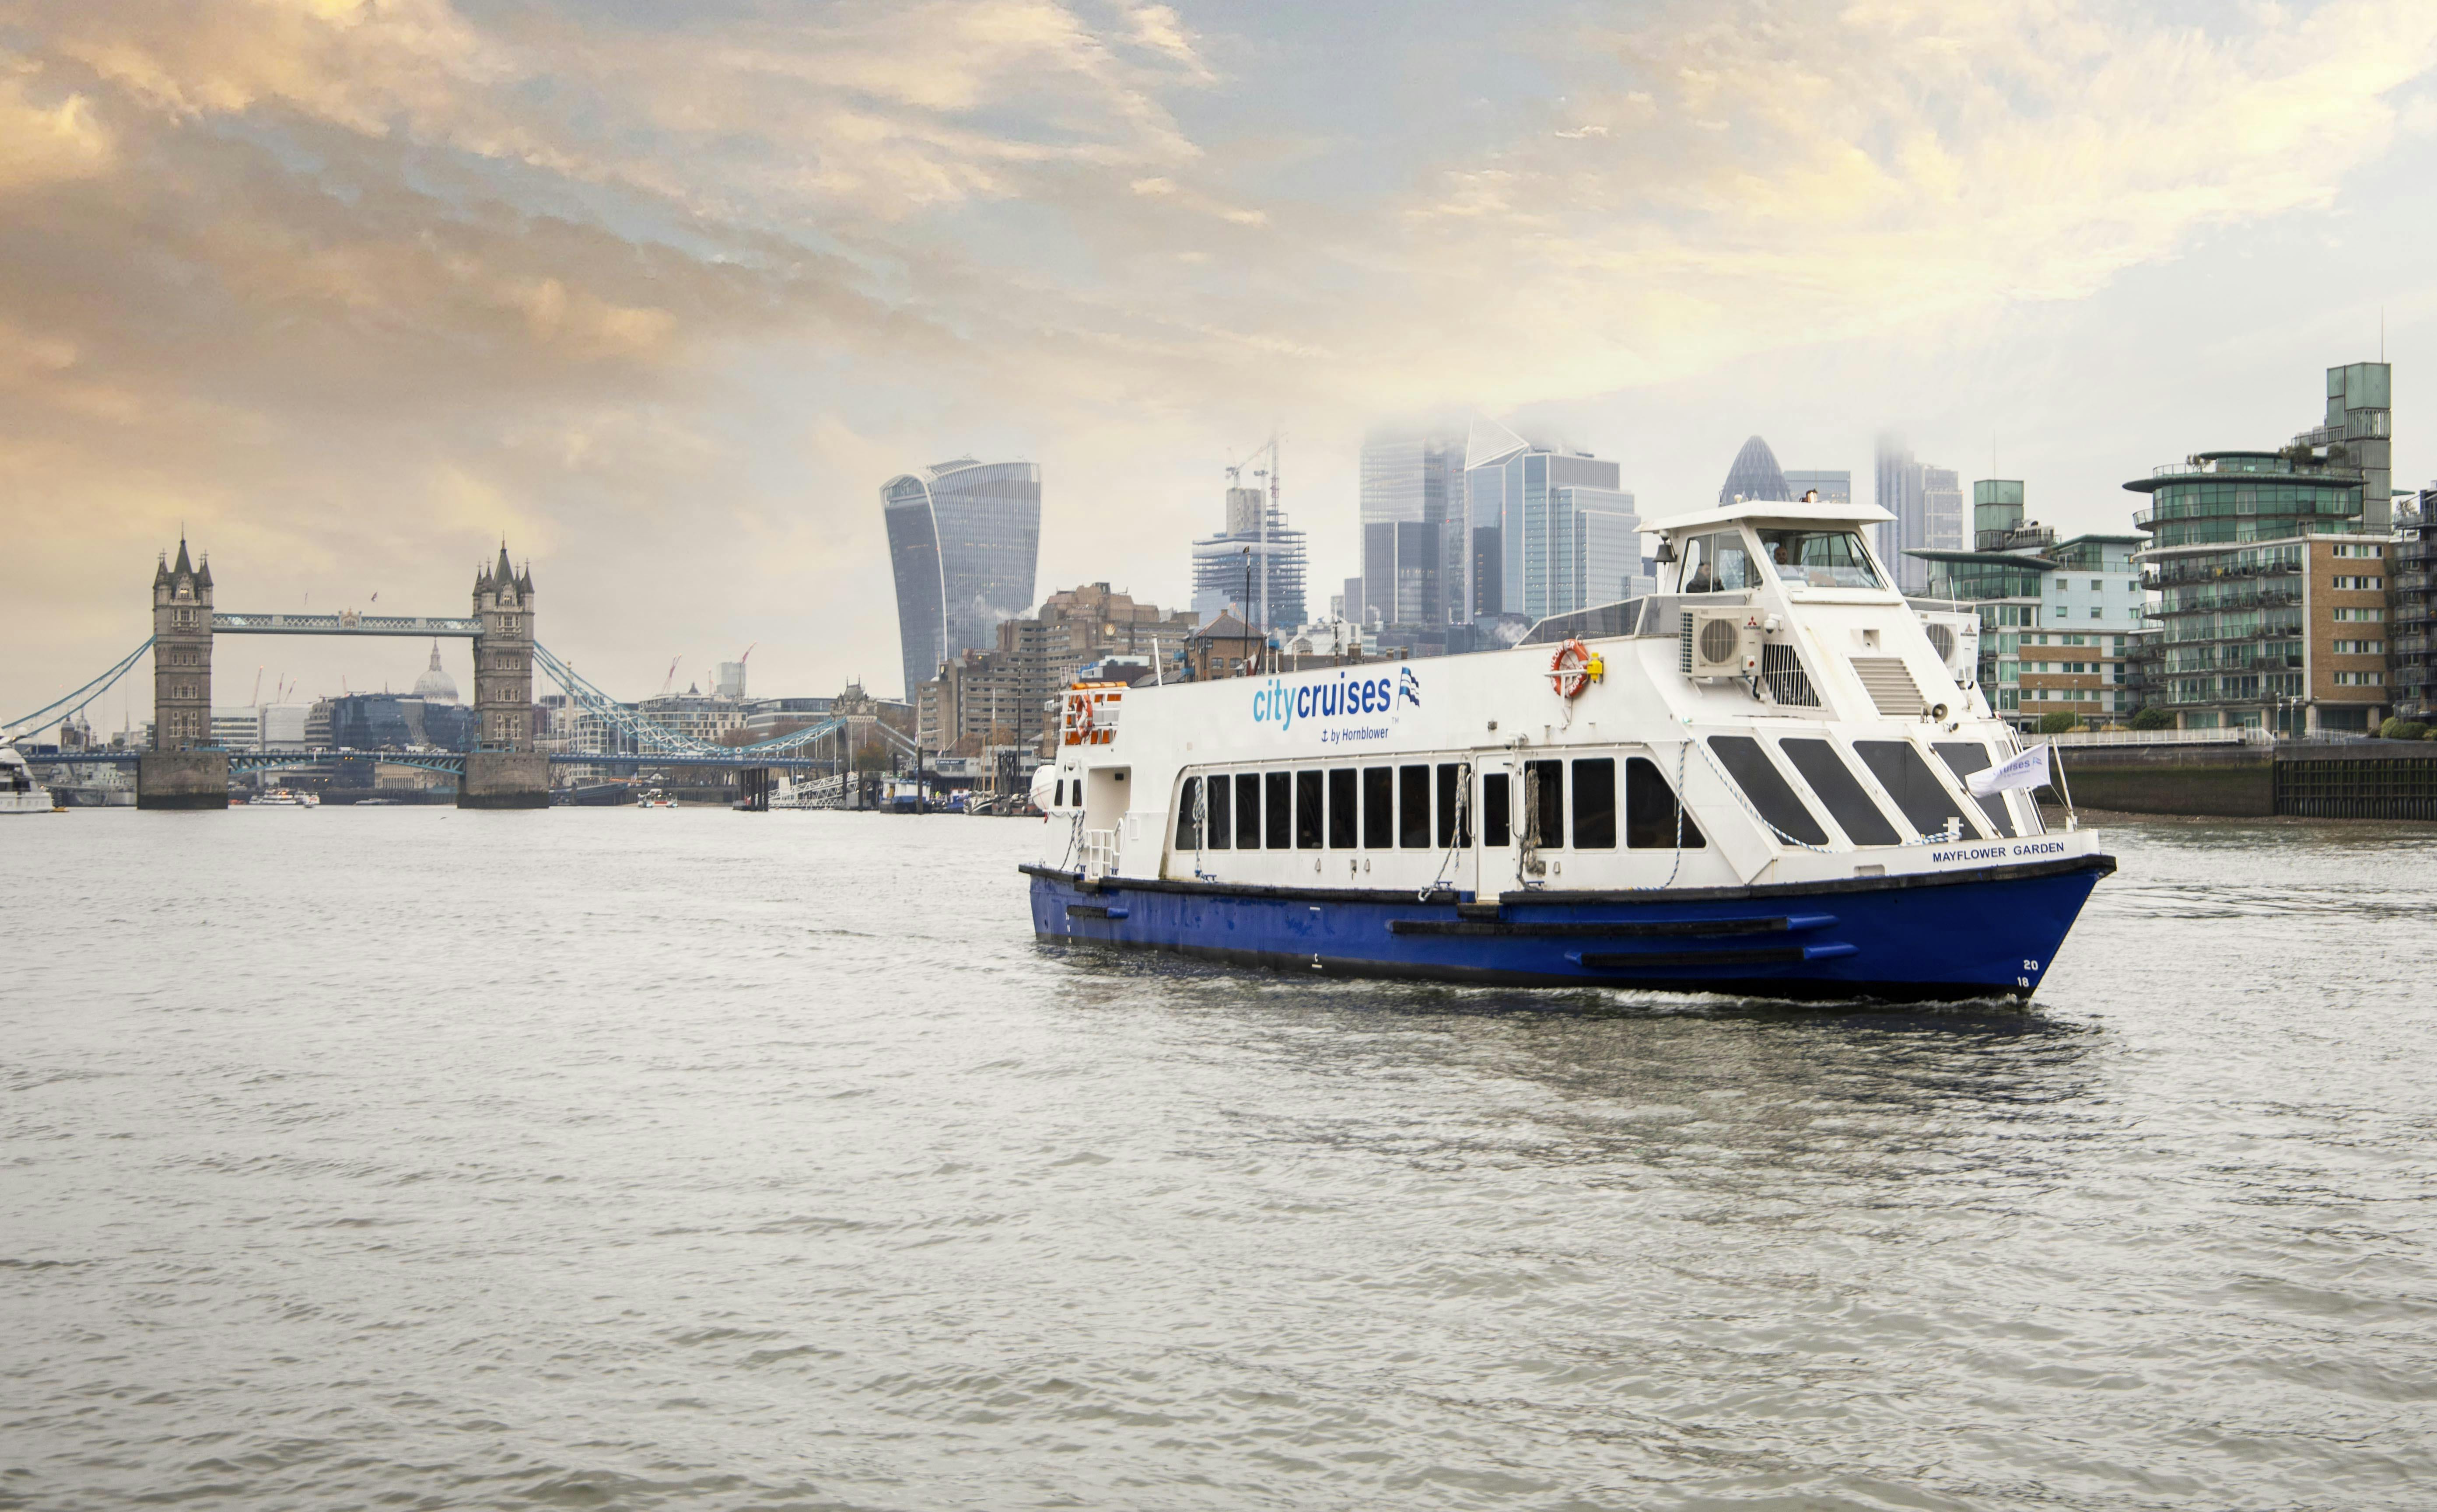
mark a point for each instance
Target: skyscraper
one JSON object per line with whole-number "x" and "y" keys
{"x": 1255, "y": 566}
{"x": 1552, "y": 529}
{"x": 1754, "y": 475}
{"x": 964, "y": 537}
{"x": 1414, "y": 541}
{"x": 1941, "y": 509}
{"x": 1927, "y": 503}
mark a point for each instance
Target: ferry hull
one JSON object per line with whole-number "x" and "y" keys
{"x": 1984, "y": 933}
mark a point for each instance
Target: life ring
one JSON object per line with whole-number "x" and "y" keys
{"x": 1573, "y": 668}
{"x": 1079, "y": 728}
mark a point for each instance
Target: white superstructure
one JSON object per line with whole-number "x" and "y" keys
{"x": 1777, "y": 713}
{"x": 19, "y": 792}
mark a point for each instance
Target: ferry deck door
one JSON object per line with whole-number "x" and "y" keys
{"x": 1495, "y": 795}
{"x": 1109, "y": 819}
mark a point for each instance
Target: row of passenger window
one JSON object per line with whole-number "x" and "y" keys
{"x": 1421, "y": 807}
{"x": 1926, "y": 802}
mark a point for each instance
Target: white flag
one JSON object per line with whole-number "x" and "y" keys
{"x": 2027, "y": 769}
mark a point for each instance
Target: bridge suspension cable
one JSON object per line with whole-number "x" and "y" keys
{"x": 62, "y": 709}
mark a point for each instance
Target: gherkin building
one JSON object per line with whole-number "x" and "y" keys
{"x": 1755, "y": 475}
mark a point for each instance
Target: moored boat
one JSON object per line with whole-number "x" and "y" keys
{"x": 1757, "y": 780}
{"x": 19, "y": 792}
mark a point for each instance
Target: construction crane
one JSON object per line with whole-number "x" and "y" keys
{"x": 671, "y": 680}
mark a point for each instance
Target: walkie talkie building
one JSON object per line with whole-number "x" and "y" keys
{"x": 964, "y": 539}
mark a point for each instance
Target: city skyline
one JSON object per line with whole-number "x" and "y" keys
{"x": 616, "y": 285}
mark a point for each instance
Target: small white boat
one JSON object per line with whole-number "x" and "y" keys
{"x": 19, "y": 792}
{"x": 656, "y": 798}
{"x": 282, "y": 797}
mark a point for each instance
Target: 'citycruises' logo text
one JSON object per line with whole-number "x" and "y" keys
{"x": 1340, "y": 704}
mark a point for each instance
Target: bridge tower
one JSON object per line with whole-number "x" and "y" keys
{"x": 184, "y": 768}
{"x": 504, "y": 770}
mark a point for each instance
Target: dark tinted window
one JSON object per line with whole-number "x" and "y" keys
{"x": 1496, "y": 811}
{"x": 1188, "y": 828}
{"x": 1060, "y": 797}
{"x": 1898, "y": 767}
{"x": 1595, "y": 805}
{"x": 1963, "y": 758}
{"x": 1749, "y": 766}
{"x": 1221, "y": 832}
{"x": 1544, "y": 803}
{"x": 1307, "y": 824}
{"x": 1413, "y": 807}
{"x": 1342, "y": 813}
{"x": 1248, "y": 811}
{"x": 1653, "y": 820}
{"x": 1378, "y": 807}
{"x": 1278, "y": 826}
{"x": 1837, "y": 787}
{"x": 1455, "y": 825}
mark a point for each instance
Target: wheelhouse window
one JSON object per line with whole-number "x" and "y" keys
{"x": 1717, "y": 563}
{"x": 1413, "y": 807}
{"x": 1822, "y": 559}
{"x": 1344, "y": 814}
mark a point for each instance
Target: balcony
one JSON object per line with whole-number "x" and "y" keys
{"x": 2168, "y": 574}
{"x": 2266, "y": 598}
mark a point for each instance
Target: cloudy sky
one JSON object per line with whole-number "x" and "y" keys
{"x": 661, "y": 293}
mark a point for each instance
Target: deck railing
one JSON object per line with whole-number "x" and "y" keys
{"x": 1099, "y": 853}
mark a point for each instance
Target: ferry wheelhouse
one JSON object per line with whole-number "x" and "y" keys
{"x": 1754, "y": 781}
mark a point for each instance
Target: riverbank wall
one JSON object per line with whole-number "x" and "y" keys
{"x": 2347, "y": 779}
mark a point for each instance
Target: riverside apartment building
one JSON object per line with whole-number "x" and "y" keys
{"x": 2272, "y": 572}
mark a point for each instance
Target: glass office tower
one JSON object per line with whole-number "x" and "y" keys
{"x": 964, "y": 537}
{"x": 1416, "y": 535}
{"x": 1554, "y": 527}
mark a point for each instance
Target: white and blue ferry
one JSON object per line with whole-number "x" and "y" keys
{"x": 1754, "y": 781}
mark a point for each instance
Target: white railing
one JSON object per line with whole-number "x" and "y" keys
{"x": 1099, "y": 853}
{"x": 2154, "y": 737}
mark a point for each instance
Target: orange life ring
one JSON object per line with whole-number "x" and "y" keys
{"x": 1573, "y": 668}
{"x": 1079, "y": 728}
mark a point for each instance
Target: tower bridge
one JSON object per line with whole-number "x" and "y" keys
{"x": 185, "y": 769}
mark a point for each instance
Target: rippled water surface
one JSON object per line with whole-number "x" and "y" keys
{"x": 404, "y": 1157}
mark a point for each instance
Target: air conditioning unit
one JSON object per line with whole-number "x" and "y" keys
{"x": 1721, "y": 642}
{"x": 1956, "y": 638}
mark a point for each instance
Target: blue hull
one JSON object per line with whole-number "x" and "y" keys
{"x": 1984, "y": 933}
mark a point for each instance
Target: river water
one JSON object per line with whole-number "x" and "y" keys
{"x": 405, "y": 1157}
